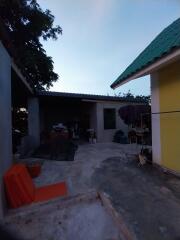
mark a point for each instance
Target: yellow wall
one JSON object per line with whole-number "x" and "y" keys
{"x": 169, "y": 98}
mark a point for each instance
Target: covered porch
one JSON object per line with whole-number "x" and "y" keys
{"x": 78, "y": 115}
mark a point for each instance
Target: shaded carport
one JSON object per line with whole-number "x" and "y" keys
{"x": 67, "y": 108}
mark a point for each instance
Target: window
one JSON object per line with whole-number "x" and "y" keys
{"x": 109, "y": 118}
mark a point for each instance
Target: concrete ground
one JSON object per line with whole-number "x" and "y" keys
{"x": 147, "y": 199}
{"x": 73, "y": 219}
{"x": 78, "y": 173}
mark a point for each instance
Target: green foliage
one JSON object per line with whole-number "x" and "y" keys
{"x": 141, "y": 98}
{"x": 133, "y": 114}
{"x": 27, "y": 24}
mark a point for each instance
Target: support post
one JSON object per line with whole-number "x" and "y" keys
{"x": 5, "y": 120}
{"x": 33, "y": 120}
{"x": 156, "y": 139}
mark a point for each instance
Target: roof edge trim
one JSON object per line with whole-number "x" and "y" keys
{"x": 173, "y": 56}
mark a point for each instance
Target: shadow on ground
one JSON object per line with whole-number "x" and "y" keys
{"x": 148, "y": 199}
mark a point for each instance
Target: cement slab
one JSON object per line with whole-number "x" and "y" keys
{"x": 80, "y": 218}
{"x": 147, "y": 199}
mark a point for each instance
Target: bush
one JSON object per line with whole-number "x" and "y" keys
{"x": 119, "y": 137}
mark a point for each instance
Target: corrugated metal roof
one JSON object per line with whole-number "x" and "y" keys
{"x": 167, "y": 41}
{"x": 86, "y": 96}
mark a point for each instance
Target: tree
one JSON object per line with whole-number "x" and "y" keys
{"x": 140, "y": 98}
{"x": 136, "y": 114}
{"x": 27, "y": 24}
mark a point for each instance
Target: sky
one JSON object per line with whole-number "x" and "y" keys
{"x": 101, "y": 38}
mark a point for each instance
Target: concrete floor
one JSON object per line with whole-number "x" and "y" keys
{"x": 78, "y": 173}
{"x": 78, "y": 220}
{"x": 147, "y": 199}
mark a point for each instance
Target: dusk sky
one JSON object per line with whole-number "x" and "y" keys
{"x": 101, "y": 38}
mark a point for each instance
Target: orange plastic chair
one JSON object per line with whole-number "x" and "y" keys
{"x": 20, "y": 189}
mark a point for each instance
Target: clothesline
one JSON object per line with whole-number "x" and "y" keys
{"x": 178, "y": 111}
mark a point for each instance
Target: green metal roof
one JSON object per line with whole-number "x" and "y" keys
{"x": 163, "y": 44}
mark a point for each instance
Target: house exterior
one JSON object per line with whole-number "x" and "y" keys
{"x": 96, "y": 112}
{"x": 161, "y": 59}
{"x": 46, "y": 109}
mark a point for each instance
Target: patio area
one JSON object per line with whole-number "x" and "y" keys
{"x": 146, "y": 199}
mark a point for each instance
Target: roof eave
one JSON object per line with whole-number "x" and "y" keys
{"x": 22, "y": 78}
{"x": 166, "y": 60}
{"x": 85, "y": 97}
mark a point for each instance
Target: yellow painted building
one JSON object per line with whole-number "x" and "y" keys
{"x": 169, "y": 101}
{"x": 161, "y": 59}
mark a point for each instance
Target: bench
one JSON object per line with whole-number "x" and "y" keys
{"x": 20, "y": 189}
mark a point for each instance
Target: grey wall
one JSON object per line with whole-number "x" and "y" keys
{"x": 5, "y": 118}
{"x": 106, "y": 135}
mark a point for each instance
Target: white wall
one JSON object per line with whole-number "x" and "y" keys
{"x": 5, "y": 118}
{"x": 156, "y": 141}
{"x": 106, "y": 135}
